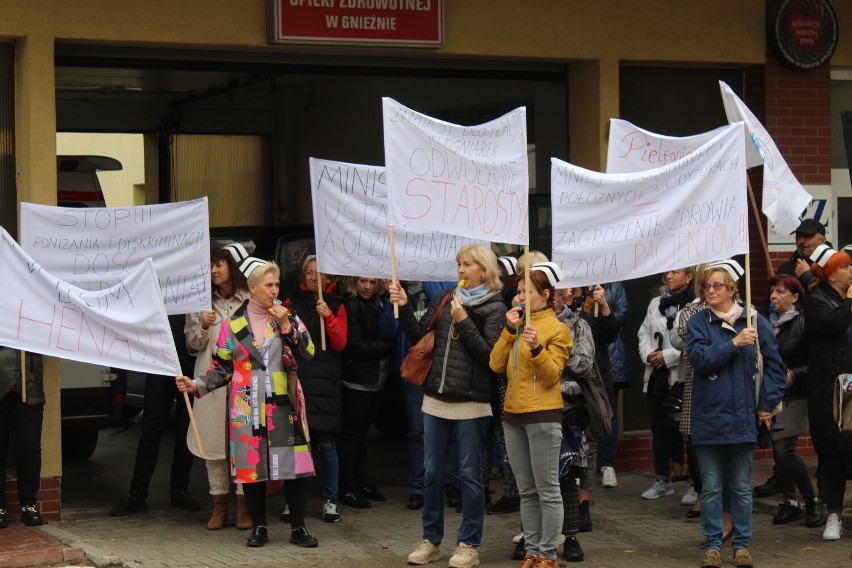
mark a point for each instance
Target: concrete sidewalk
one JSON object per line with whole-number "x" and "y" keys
{"x": 628, "y": 531}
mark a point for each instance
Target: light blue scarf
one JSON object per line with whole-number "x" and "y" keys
{"x": 474, "y": 296}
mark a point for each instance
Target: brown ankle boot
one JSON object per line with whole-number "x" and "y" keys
{"x": 544, "y": 562}
{"x": 243, "y": 516}
{"x": 220, "y": 512}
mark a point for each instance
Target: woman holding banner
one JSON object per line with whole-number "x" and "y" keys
{"x": 726, "y": 409}
{"x": 533, "y": 355}
{"x": 254, "y": 355}
{"x": 456, "y": 405}
{"x": 827, "y": 321}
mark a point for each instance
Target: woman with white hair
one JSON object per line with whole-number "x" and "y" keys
{"x": 254, "y": 355}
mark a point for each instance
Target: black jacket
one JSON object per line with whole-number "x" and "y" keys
{"x": 793, "y": 347}
{"x": 605, "y": 330}
{"x": 827, "y": 320}
{"x": 365, "y": 347}
{"x": 460, "y": 369}
{"x": 320, "y": 377}
{"x": 807, "y": 279}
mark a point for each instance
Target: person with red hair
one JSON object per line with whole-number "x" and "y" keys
{"x": 828, "y": 315}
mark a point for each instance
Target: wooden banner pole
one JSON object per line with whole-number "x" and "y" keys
{"x": 760, "y": 228}
{"x": 393, "y": 265}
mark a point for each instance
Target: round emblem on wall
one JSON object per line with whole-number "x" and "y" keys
{"x": 803, "y": 33}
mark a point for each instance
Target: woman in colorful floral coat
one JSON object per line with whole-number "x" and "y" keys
{"x": 255, "y": 355}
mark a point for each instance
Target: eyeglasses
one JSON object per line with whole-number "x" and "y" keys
{"x": 715, "y": 286}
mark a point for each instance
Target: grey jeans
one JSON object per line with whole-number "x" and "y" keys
{"x": 533, "y": 451}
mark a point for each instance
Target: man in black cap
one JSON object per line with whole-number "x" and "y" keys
{"x": 809, "y": 235}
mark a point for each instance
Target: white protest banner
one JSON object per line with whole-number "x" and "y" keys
{"x": 633, "y": 149}
{"x": 124, "y": 326}
{"x": 784, "y": 198}
{"x": 351, "y": 228}
{"x": 95, "y": 248}
{"x": 609, "y": 227}
{"x": 464, "y": 180}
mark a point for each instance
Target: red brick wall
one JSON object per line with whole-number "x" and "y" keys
{"x": 48, "y": 497}
{"x": 795, "y": 108}
{"x": 634, "y": 451}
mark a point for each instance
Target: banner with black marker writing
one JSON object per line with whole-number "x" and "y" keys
{"x": 471, "y": 181}
{"x": 95, "y": 248}
{"x": 351, "y": 228}
{"x": 611, "y": 227}
{"x": 123, "y": 326}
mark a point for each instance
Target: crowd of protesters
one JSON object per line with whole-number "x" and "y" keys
{"x": 523, "y": 369}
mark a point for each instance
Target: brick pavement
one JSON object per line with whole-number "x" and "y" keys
{"x": 22, "y": 546}
{"x": 628, "y": 532}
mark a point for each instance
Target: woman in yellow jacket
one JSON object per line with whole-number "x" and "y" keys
{"x": 532, "y": 356}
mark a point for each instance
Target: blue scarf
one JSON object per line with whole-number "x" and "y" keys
{"x": 474, "y": 296}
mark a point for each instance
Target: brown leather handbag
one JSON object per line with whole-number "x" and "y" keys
{"x": 418, "y": 360}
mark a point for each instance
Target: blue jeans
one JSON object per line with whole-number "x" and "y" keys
{"x": 469, "y": 436}
{"x": 326, "y": 450}
{"x": 725, "y": 467}
{"x": 413, "y": 395}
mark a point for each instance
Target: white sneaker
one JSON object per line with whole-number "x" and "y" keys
{"x": 608, "y": 477}
{"x": 329, "y": 512}
{"x": 833, "y": 528}
{"x": 690, "y": 497}
{"x": 424, "y": 552}
{"x": 465, "y": 556}
{"x": 659, "y": 489}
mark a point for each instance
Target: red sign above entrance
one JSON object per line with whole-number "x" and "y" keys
{"x": 410, "y": 23}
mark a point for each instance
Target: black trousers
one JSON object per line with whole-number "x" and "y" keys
{"x": 352, "y": 444}
{"x": 20, "y": 428}
{"x": 295, "y": 491}
{"x": 160, "y": 394}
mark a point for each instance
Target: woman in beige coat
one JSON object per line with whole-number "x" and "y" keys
{"x": 230, "y": 291}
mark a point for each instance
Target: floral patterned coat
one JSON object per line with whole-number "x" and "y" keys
{"x": 262, "y": 428}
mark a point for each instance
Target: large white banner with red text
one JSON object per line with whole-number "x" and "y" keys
{"x": 124, "y": 326}
{"x": 95, "y": 248}
{"x": 471, "y": 181}
{"x": 610, "y": 227}
{"x": 351, "y": 228}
